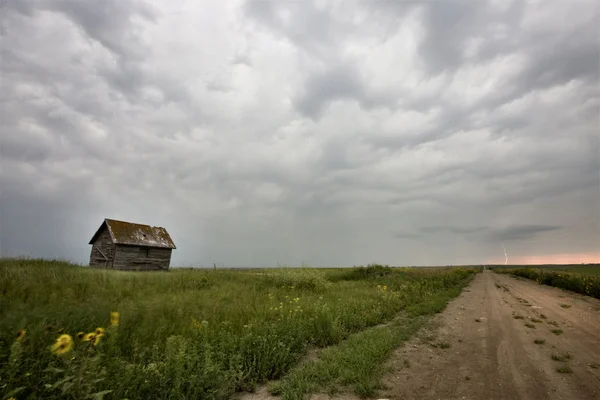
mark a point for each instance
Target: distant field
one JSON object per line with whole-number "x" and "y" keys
{"x": 584, "y": 279}
{"x": 206, "y": 334}
{"x": 584, "y": 269}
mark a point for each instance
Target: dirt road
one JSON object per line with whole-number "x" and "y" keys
{"x": 492, "y": 354}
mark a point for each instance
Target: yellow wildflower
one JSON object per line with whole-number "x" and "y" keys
{"x": 100, "y": 331}
{"x": 114, "y": 318}
{"x": 21, "y": 335}
{"x": 63, "y": 344}
{"x": 97, "y": 339}
{"x": 80, "y": 335}
{"x": 90, "y": 337}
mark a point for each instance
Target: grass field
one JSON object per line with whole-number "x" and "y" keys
{"x": 588, "y": 269}
{"x": 580, "y": 269}
{"x": 579, "y": 279}
{"x": 203, "y": 333}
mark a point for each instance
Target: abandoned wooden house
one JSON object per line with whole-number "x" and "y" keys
{"x": 129, "y": 246}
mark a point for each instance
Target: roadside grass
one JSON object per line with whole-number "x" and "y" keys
{"x": 537, "y": 321}
{"x": 529, "y": 325}
{"x": 357, "y": 363}
{"x": 564, "y": 369}
{"x": 553, "y": 323}
{"x": 539, "y": 341}
{"x": 584, "y": 280}
{"x": 557, "y": 331}
{"x": 189, "y": 334}
{"x": 565, "y": 306}
{"x": 579, "y": 269}
{"x": 561, "y": 357}
{"x": 441, "y": 345}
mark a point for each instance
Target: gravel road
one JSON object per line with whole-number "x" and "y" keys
{"x": 491, "y": 328}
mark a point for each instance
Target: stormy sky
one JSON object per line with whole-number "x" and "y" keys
{"x": 328, "y": 133}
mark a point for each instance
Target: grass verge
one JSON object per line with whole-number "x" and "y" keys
{"x": 584, "y": 283}
{"x": 561, "y": 357}
{"x": 564, "y": 369}
{"x": 357, "y": 364}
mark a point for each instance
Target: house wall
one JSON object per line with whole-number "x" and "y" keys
{"x": 102, "y": 243}
{"x": 142, "y": 258}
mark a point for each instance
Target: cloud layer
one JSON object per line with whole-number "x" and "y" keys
{"x": 330, "y": 133}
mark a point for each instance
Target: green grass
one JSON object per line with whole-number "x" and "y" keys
{"x": 203, "y": 333}
{"x": 565, "y": 369}
{"x": 584, "y": 280}
{"x": 587, "y": 270}
{"x": 357, "y": 363}
{"x": 561, "y": 357}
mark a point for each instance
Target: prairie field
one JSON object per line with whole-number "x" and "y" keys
{"x": 71, "y": 332}
{"x": 580, "y": 279}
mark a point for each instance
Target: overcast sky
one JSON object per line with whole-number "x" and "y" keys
{"x": 286, "y": 132}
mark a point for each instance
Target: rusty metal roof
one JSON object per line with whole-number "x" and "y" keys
{"x": 129, "y": 233}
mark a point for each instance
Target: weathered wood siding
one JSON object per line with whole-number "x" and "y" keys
{"x": 142, "y": 258}
{"x": 102, "y": 244}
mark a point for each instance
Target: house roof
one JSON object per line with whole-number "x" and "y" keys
{"x": 129, "y": 233}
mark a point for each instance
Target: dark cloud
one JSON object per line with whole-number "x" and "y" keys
{"x": 287, "y": 132}
{"x": 337, "y": 83}
{"x": 521, "y": 232}
{"x": 453, "y": 229}
{"x": 110, "y": 23}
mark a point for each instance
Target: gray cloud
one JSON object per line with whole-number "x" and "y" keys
{"x": 337, "y": 83}
{"x": 288, "y": 132}
{"x": 521, "y": 232}
{"x": 453, "y": 229}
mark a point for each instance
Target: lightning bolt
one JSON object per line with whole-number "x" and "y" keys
{"x": 505, "y": 255}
